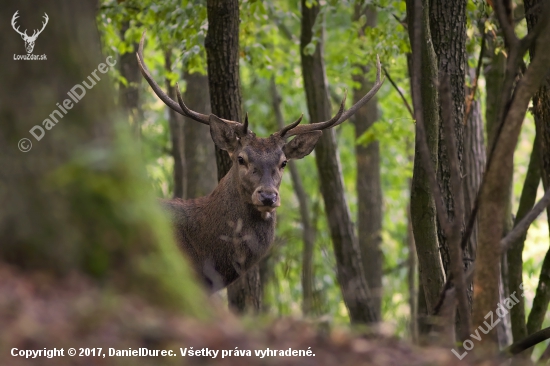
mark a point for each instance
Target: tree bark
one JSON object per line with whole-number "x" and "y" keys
{"x": 350, "y": 273}
{"x": 448, "y": 35}
{"x": 423, "y": 212}
{"x": 222, "y": 54}
{"x": 494, "y": 194}
{"x": 129, "y": 93}
{"x": 514, "y": 257}
{"x": 199, "y": 150}
{"x": 308, "y": 230}
{"x": 176, "y": 135}
{"x": 474, "y": 160}
{"x": 541, "y": 111}
{"x": 369, "y": 190}
{"x": 65, "y": 200}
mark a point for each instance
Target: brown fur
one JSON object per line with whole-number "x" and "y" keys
{"x": 230, "y": 230}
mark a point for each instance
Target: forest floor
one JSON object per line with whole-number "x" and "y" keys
{"x": 38, "y": 312}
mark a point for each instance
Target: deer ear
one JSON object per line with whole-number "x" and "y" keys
{"x": 301, "y": 145}
{"x": 222, "y": 134}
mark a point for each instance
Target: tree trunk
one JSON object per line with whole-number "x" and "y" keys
{"x": 78, "y": 202}
{"x": 199, "y": 150}
{"x": 494, "y": 196}
{"x": 129, "y": 93}
{"x": 514, "y": 257}
{"x": 411, "y": 279}
{"x": 222, "y": 53}
{"x": 176, "y": 138}
{"x": 541, "y": 110}
{"x": 308, "y": 230}
{"x": 350, "y": 273}
{"x": 448, "y": 35}
{"x": 423, "y": 212}
{"x": 369, "y": 190}
{"x": 474, "y": 160}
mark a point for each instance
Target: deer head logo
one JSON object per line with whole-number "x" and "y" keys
{"x": 29, "y": 40}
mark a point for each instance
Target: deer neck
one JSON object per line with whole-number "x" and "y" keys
{"x": 229, "y": 193}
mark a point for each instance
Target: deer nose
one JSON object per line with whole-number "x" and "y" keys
{"x": 268, "y": 198}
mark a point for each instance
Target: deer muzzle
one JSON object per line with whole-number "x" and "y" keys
{"x": 266, "y": 200}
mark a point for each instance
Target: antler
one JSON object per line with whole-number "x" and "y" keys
{"x": 35, "y": 34}
{"x": 180, "y": 107}
{"x": 341, "y": 116}
{"x": 13, "y": 20}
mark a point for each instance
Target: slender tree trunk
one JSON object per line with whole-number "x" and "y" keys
{"x": 369, "y": 190}
{"x": 515, "y": 260}
{"x": 308, "y": 230}
{"x": 350, "y": 273}
{"x": 64, "y": 200}
{"x": 423, "y": 212}
{"x": 222, "y": 51}
{"x": 199, "y": 154}
{"x": 474, "y": 160}
{"x": 494, "y": 76}
{"x": 541, "y": 110}
{"x": 129, "y": 93}
{"x": 448, "y": 35}
{"x": 411, "y": 279}
{"x": 176, "y": 135}
{"x": 494, "y": 196}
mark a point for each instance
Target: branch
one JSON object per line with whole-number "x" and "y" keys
{"x": 527, "y": 342}
{"x": 472, "y": 96}
{"x": 399, "y": 92}
{"x": 527, "y": 86}
{"x": 521, "y": 228}
{"x": 454, "y": 234}
{"x": 507, "y": 27}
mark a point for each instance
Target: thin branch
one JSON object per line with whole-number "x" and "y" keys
{"x": 514, "y": 60}
{"x": 527, "y": 342}
{"x": 468, "y": 277}
{"x": 470, "y": 98}
{"x": 399, "y": 92}
{"x": 521, "y": 228}
{"x": 419, "y": 114}
{"x": 504, "y": 20}
{"x": 457, "y": 192}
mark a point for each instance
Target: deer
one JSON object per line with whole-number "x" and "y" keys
{"x": 227, "y": 232}
{"x": 29, "y": 40}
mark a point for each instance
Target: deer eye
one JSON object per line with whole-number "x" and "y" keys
{"x": 240, "y": 160}
{"x": 283, "y": 164}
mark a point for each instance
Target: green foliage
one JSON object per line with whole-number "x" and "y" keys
{"x": 269, "y": 42}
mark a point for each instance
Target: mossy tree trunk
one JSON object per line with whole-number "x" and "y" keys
{"x": 79, "y": 200}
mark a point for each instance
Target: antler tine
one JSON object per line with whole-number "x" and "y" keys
{"x": 180, "y": 107}
{"x": 13, "y": 21}
{"x": 245, "y": 126}
{"x": 342, "y": 116}
{"x": 185, "y": 108}
{"x": 289, "y": 127}
{"x": 160, "y": 93}
{"x": 45, "y": 22}
{"x": 298, "y": 130}
{"x": 377, "y": 85}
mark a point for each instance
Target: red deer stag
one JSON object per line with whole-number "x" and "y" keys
{"x": 230, "y": 230}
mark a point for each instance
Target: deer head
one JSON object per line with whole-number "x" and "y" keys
{"x": 29, "y": 40}
{"x": 258, "y": 163}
